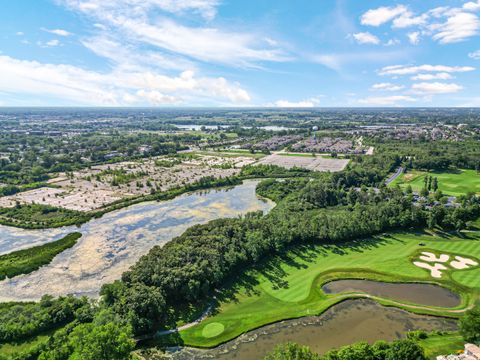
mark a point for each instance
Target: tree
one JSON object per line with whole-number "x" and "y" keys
{"x": 405, "y": 350}
{"x": 470, "y": 325}
{"x": 424, "y": 192}
{"x": 291, "y": 351}
{"x": 435, "y": 184}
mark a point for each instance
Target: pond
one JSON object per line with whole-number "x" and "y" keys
{"x": 424, "y": 294}
{"x": 343, "y": 324}
{"x": 111, "y": 244}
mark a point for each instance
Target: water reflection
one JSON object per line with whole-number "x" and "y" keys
{"x": 111, "y": 244}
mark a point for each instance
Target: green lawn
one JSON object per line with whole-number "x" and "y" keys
{"x": 447, "y": 344}
{"x": 9, "y": 350}
{"x": 291, "y": 287}
{"x": 451, "y": 183}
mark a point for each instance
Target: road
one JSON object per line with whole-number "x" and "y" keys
{"x": 394, "y": 176}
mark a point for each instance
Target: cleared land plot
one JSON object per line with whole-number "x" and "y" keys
{"x": 306, "y": 162}
{"x": 290, "y": 287}
{"x": 101, "y": 185}
{"x": 449, "y": 182}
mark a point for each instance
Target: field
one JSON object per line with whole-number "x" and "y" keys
{"x": 309, "y": 162}
{"x": 98, "y": 186}
{"x": 451, "y": 183}
{"x": 442, "y": 344}
{"x": 290, "y": 286}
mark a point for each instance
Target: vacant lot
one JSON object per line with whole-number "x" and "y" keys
{"x": 290, "y": 287}
{"x": 307, "y": 162}
{"x": 98, "y": 186}
{"x": 455, "y": 182}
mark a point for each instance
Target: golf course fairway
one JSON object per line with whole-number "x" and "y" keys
{"x": 290, "y": 286}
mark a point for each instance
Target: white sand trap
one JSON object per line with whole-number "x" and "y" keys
{"x": 431, "y": 257}
{"x": 435, "y": 270}
{"x": 462, "y": 263}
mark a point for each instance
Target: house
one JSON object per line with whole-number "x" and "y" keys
{"x": 471, "y": 352}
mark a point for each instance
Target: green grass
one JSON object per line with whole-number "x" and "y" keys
{"x": 449, "y": 182}
{"x": 442, "y": 344}
{"x": 290, "y": 287}
{"x": 9, "y": 350}
{"x": 28, "y": 260}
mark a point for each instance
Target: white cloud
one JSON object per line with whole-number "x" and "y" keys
{"x": 77, "y": 86}
{"x": 308, "y": 103}
{"x": 387, "y": 87}
{"x": 414, "y": 37}
{"x": 386, "y": 100}
{"x": 472, "y": 6}
{"x": 139, "y": 21}
{"x": 407, "y": 19}
{"x": 366, "y": 38}
{"x": 435, "y": 88}
{"x": 59, "y": 32}
{"x": 458, "y": 27}
{"x": 50, "y": 43}
{"x": 206, "y": 8}
{"x": 392, "y": 42}
{"x": 381, "y": 15}
{"x": 428, "y": 77}
{"x": 474, "y": 55}
{"x": 19, "y": 33}
{"x": 409, "y": 70}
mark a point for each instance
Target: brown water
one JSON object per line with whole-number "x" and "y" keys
{"x": 424, "y": 294}
{"x": 343, "y": 324}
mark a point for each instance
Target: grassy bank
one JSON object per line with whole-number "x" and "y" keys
{"x": 455, "y": 182}
{"x": 28, "y": 260}
{"x": 290, "y": 286}
{"x": 445, "y": 344}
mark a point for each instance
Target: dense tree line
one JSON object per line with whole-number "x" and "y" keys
{"x": 381, "y": 350}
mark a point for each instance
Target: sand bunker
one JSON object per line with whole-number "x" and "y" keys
{"x": 462, "y": 263}
{"x": 435, "y": 269}
{"x": 431, "y": 257}
{"x": 459, "y": 263}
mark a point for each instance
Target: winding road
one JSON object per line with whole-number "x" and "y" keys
{"x": 394, "y": 176}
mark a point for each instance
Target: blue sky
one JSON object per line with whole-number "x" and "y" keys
{"x": 282, "y": 53}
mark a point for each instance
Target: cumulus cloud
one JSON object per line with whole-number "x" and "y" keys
{"x": 426, "y": 88}
{"x": 444, "y": 24}
{"x": 366, "y": 38}
{"x": 409, "y": 70}
{"x": 382, "y": 15}
{"x": 387, "y": 87}
{"x": 414, "y": 37}
{"x": 472, "y": 6}
{"x": 474, "y": 55}
{"x": 428, "y": 77}
{"x": 59, "y": 32}
{"x": 458, "y": 27}
{"x": 77, "y": 86}
{"x": 308, "y": 103}
{"x": 386, "y": 100}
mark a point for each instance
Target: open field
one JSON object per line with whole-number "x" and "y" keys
{"x": 290, "y": 287}
{"x": 307, "y": 162}
{"x": 101, "y": 185}
{"x": 451, "y": 183}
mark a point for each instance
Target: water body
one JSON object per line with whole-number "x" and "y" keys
{"x": 343, "y": 324}
{"x": 193, "y": 127}
{"x": 424, "y": 294}
{"x": 111, "y": 244}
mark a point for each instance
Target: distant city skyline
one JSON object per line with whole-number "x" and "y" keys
{"x": 225, "y": 53}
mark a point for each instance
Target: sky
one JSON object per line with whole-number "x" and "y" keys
{"x": 235, "y": 53}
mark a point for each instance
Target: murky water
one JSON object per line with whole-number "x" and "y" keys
{"x": 424, "y": 294}
{"x": 111, "y": 244}
{"x": 343, "y": 324}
